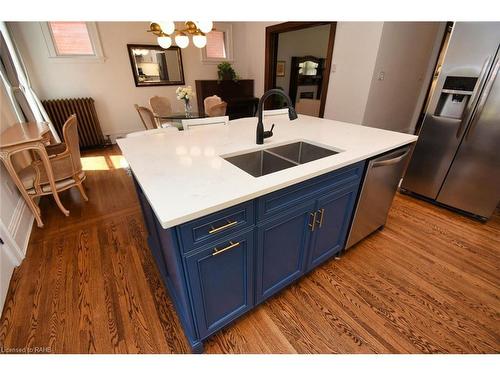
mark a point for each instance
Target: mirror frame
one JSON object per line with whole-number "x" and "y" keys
{"x": 131, "y": 47}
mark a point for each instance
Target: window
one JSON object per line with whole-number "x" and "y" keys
{"x": 219, "y": 45}
{"x": 216, "y": 45}
{"x": 72, "y": 40}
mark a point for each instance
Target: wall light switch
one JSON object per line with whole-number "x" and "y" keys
{"x": 334, "y": 68}
{"x": 381, "y": 75}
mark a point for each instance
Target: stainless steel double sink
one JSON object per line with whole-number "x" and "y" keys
{"x": 270, "y": 160}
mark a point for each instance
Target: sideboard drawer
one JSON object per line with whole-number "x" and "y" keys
{"x": 275, "y": 202}
{"x": 210, "y": 228}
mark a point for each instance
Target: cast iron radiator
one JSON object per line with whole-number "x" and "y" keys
{"x": 89, "y": 129}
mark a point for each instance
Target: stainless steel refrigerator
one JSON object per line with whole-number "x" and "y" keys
{"x": 456, "y": 161}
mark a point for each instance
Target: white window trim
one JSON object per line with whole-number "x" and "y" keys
{"x": 228, "y": 33}
{"x": 94, "y": 39}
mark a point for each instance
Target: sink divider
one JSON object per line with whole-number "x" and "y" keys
{"x": 281, "y": 157}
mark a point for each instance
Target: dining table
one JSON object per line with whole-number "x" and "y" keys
{"x": 175, "y": 118}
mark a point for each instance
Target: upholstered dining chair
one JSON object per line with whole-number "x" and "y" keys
{"x": 207, "y": 121}
{"x": 147, "y": 117}
{"x": 65, "y": 162}
{"x": 152, "y": 131}
{"x": 214, "y": 106}
{"x": 161, "y": 107}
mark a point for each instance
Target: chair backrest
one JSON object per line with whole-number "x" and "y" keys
{"x": 275, "y": 112}
{"x": 210, "y": 101}
{"x": 152, "y": 131}
{"x": 147, "y": 117}
{"x": 160, "y": 105}
{"x": 212, "y": 121}
{"x": 70, "y": 135}
{"x": 308, "y": 107}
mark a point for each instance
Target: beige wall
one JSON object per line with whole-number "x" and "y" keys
{"x": 110, "y": 83}
{"x": 356, "y": 53}
{"x": 403, "y": 58}
{"x": 312, "y": 41}
{"x": 353, "y": 62}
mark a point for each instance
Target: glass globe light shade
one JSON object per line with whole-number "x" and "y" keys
{"x": 164, "y": 41}
{"x": 199, "y": 40}
{"x": 182, "y": 40}
{"x": 205, "y": 26}
{"x": 168, "y": 27}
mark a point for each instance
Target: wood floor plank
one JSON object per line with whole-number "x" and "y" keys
{"x": 427, "y": 283}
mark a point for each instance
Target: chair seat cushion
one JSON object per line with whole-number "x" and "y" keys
{"x": 27, "y": 176}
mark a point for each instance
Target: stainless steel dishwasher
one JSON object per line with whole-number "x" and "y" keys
{"x": 381, "y": 181}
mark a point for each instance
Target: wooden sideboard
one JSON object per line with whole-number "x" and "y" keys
{"x": 239, "y": 96}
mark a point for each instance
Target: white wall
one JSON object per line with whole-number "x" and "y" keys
{"x": 403, "y": 58}
{"x": 110, "y": 83}
{"x": 353, "y": 63}
{"x": 16, "y": 219}
{"x": 250, "y": 45}
{"x": 312, "y": 41}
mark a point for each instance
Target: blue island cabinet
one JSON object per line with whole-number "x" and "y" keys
{"x": 220, "y": 266}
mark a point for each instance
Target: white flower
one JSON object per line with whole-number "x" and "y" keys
{"x": 184, "y": 93}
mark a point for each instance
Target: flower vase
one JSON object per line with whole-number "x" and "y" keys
{"x": 187, "y": 108}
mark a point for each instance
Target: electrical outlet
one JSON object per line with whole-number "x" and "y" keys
{"x": 381, "y": 75}
{"x": 334, "y": 68}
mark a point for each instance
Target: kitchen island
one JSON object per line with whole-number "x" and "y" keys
{"x": 225, "y": 240}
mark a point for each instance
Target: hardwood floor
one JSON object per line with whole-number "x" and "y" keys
{"x": 427, "y": 283}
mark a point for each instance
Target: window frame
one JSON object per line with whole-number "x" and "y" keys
{"x": 94, "y": 40}
{"x": 227, "y": 29}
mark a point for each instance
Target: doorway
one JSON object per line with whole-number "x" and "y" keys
{"x": 298, "y": 61}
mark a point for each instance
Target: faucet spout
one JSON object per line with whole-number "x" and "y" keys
{"x": 292, "y": 115}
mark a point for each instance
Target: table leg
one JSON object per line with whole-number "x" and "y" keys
{"x": 48, "y": 168}
{"x": 6, "y": 158}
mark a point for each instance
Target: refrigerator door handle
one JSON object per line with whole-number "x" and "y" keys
{"x": 479, "y": 85}
{"x": 484, "y": 97}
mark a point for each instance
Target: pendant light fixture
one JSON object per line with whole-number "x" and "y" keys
{"x": 165, "y": 31}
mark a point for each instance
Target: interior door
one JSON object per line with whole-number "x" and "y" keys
{"x": 473, "y": 182}
{"x": 281, "y": 250}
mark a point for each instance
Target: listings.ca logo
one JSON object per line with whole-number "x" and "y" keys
{"x": 31, "y": 350}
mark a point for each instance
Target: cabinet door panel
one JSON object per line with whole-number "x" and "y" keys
{"x": 281, "y": 250}
{"x": 330, "y": 234}
{"x": 222, "y": 284}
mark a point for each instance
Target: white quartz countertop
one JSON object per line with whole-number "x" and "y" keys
{"x": 184, "y": 176}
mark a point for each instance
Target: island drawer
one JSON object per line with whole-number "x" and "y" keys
{"x": 206, "y": 229}
{"x": 275, "y": 202}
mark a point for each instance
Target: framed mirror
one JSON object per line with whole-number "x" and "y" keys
{"x": 155, "y": 66}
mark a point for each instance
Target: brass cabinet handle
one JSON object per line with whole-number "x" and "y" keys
{"x": 322, "y": 213}
{"x": 225, "y": 226}
{"x": 228, "y": 247}
{"x": 313, "y": 223}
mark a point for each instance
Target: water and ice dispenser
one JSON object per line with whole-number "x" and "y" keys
{"x": 455, "y": 96}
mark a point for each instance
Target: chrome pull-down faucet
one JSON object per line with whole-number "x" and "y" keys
{"x": 292, "y": 115}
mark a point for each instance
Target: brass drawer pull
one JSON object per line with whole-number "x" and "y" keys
{"x": 313, "y": 223}
{"x": 225, "y": 226}
{"x": 322, "y": 213}
{"x": 228, "y": 247}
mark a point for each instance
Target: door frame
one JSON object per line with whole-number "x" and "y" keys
{"x": 271, "y": 54}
